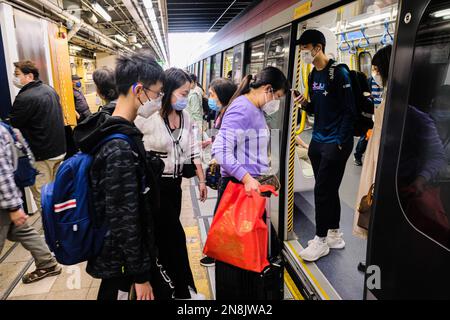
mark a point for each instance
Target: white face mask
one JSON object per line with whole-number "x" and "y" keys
{"x": 377, "y": 79}
{"x": 16, "y": 82}
{"x": 149, "y": 108}
{"x": 306, "y": 56}
{"x": 271, "y": 107}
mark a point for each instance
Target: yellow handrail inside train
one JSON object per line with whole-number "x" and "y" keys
{"x": 306, "y": 69}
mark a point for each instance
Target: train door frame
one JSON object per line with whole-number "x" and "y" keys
{"x": 408, "y": 272}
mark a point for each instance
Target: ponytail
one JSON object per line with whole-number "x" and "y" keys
{"x": 268, "y": 75}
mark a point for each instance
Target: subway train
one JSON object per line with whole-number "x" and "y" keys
{"x": 407, "y": 251}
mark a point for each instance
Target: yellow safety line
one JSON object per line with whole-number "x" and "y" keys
{"x": 322, "y": 291}
{"x": 292, "y": 287}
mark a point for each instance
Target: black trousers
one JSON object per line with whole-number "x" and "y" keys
{"x": 171, "y": 239}
{"x": 328, "y": 163}
{"x": 109, "y": 288}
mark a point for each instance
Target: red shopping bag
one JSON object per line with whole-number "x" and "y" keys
{"x": 238, "y": 234}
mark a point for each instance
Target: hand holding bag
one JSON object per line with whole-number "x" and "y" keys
{"x": 238, "y": 234}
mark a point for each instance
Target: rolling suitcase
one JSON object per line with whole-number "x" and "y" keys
{"x": 233, "y": 283}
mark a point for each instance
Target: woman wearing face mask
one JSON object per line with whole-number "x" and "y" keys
{"x": 241, "y": 149}
{"x": 170, "y": 134}
{"x": 380, "y": 72}
{"x": 220, "y": 93}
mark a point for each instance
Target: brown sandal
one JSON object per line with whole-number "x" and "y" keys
{"x": 40, "y": 274}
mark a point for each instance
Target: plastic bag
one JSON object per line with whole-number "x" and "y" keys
{"x": 238, "y": 234}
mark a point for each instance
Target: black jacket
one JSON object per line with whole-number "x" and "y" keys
{"x": 81, "y": 105}
{"x": 37, "y": 113}
{"x": 117, "y": 182}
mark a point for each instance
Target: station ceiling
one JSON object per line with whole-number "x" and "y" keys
{"x": 203, "y": 15}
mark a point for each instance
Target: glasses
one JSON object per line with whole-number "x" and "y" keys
{"x": 159, "y": 94}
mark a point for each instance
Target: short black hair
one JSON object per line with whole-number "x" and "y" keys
{"x": 139, "y": 66}
{"x": 381, "y": 60}
{"x": 193, "y": 77}
{"x": 105, "y": 82}
{"x": 27, "y": 67}
{"x": 174, "y": 79}
{"x": 314, "y": 37}
{"x": 224, "y": 89}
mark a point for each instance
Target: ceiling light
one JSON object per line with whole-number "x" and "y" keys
{"x": 151, "y": 14}
{"x": 120, "y": 38}
{"x": 101, "y": 11}
{"x": 76, "y": 48}
{"x": 138, "y": 45}
{"x": 148, "y": 4}
{"x": 367, "y": 20}
{"x": 441, "y": 13}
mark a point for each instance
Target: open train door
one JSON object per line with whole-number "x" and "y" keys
{"x": 408, "y": 253}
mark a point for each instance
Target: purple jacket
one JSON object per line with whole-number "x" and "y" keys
{"x": 241, "y": 146}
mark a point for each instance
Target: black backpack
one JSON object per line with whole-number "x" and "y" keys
{"x": 364, "y": 104}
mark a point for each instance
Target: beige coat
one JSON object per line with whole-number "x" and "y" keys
{"x": 369, "y": 166}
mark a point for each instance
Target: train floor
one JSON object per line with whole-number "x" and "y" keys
{"x": 340, "y": 266}
{"x": 75, "y": 284}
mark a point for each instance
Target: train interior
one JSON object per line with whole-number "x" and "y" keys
{"x": 354, "y": 33}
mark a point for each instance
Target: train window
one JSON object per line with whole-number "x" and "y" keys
{"x": 227, "y": 64}
{"x": 423, "y": 173}
{"x": 238, "y": 63}
{"x": 215, "y": 66}
{"x": 365, "y": 63}
{"x": 256, "y": 57}
{"x": 277, "y": 49}
{"x": 206, "y": 72}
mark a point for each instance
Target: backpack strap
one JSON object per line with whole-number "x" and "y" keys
{"x": 113, "y": 136}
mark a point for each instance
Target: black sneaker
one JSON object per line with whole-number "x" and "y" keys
{"x": 208, "y": 262}
{"x": 357, "y": 162}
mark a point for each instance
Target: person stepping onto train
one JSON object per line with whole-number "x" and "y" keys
{"x": 333, "y": 105}
{"x": 244, "y": 125}
{"x": 171, "y": 135}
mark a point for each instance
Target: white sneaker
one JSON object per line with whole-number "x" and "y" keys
{"x": 335, "y": 240}
{"x": 315, "y": 250}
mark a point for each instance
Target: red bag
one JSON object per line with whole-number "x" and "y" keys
{"x": 238, "y": 233}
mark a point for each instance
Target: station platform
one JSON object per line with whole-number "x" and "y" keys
{"x": 75, "y": 284}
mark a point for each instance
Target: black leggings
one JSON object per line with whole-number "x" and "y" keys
{"x": 171, "y": 239}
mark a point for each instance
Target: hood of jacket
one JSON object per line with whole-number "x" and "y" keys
{"x": 98, "y": 126}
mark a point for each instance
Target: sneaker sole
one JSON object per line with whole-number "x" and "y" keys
{"x": 322, "y": 255}
{"x": 337, "y": 247}
{"x": 208, "y": 265}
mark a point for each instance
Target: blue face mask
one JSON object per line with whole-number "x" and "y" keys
{"x": 180, "y": 104}
{"x": 78, "y": 84}
{"x": 212, "y": 103}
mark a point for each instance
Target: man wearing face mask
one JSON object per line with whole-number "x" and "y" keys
{"x": 81, "y": 105}
{"x": 37, "y": 113}
{"x": 333, "y": 105}
{"x": 119, "y": 191}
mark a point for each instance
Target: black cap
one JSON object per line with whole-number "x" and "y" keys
{"x": 312, "y": 36}
{"x": 76, "y": 77}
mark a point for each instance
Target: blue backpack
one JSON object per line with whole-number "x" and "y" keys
{"x": 67, "y": 213}
{"x": 25, "y": 174}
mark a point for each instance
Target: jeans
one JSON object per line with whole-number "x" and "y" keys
{"x": 361, "y": 147}
{"x": 328, "y": 164}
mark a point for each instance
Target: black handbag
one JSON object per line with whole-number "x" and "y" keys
{"x": 189, "y": 169}
{"x": 156, "y": 163}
